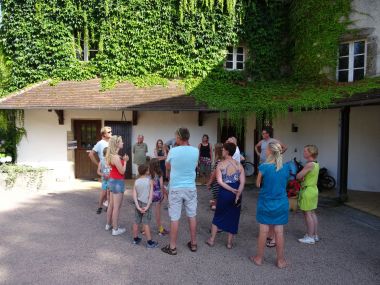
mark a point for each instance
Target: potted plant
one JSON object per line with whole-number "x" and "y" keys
{"x": 292, "y": 190}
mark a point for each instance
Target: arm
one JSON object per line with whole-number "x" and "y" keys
{"x": 116, "y": 161}
{"x": 162, "y": 188}
{"x": 91, "y": 155}
{"x": 259, "y": 179}
{"x": 257, "y": 148}
{"x": 156, "y": 154}
{"x": 242, "y": 182}
{"x": 212, "y": 179}
{"x": 134, "y": 193}
{"x": 210, "y": 152}
{"x": 99, "y": 170}
{"x": 221, "y": 182}
{"x": 308, "y": 167}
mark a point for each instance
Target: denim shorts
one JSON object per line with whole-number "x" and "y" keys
{"x": 143, "y": 218}
{"x": 116, "y": 185}
{"x": 180, "y": 196}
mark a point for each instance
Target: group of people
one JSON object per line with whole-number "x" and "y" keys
{"x": 226, "y": 182}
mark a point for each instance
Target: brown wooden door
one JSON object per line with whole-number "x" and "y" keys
{"x": 87, "y": 134}
{"x": 123, "y": 129}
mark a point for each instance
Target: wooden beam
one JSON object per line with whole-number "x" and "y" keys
{"x": 61, "y": 117}
{"x": 200, "y": 118}
{"x": 344, "y": 136}
{"x": 135, "y": 118}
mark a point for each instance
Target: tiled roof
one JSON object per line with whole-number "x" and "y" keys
{"x": 87, "y": 95}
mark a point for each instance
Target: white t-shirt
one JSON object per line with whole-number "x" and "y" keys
{"x": 98, "y": 148}
{"x": 142, "y": 186}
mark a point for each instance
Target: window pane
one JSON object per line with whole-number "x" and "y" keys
{"x": 230, "y": 49}
{"x": 229, "y": 57}
{"x": 343, "y": 49}
{"x": 343, "y": 76}
{"x": 239, "y": 57}
{"x": 343, "y": 63}
{"x": 358, "y": 74}
{"x": 359, "y": 47}
{"x": 239, "y": 65}
{"x": 229, "y": 65}
{"x": 240, "y": 50}
{"x": 359, "y": 61}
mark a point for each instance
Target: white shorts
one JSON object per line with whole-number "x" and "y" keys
{"x": 180, "y": 196}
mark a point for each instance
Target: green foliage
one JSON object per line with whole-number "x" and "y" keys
{"x": 315, "y": 27}
{"x": 11, "y": 131}
{"x": 291, "y": 45}
{"x": 32, "y": 175}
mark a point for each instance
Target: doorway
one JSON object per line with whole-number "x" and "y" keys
{"x": 87, "y": 134}
{"x": 227, "y": 130}
{"x": 123, "y": 129}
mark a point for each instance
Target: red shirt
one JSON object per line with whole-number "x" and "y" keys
{"x": 115, "y": 174}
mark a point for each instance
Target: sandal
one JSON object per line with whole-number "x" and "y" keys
{"x": 210, "y": 244}
{"x": 192, "y": 247}
{"x": 168, "y": 250}
{"x": 99, "y": 210}
{"x": 270, "y": 243}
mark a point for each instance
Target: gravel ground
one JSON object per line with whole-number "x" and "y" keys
{"x": 56, "y": 238}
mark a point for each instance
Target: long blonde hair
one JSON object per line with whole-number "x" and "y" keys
{"x": 275, "y": 155}
{"x": 113, "y": 148}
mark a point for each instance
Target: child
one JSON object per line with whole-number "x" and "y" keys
{"x": 212, "y": 184}
{"x": 142, "y": 195}
{"x": 308, "y": 196}
{"x": 104, "y": 172}
{"x": 272, "y": 205}
{"x": 158, "y": 192}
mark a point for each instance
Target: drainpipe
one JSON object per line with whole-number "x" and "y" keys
{"x": 343, "y": 148}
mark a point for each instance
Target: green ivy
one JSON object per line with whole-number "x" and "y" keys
{"x": 32, "y": 175}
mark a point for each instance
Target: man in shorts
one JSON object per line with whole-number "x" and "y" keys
{"x": 182, "y": 162}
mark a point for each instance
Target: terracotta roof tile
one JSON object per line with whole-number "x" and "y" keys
{"x": 87, "y": 95}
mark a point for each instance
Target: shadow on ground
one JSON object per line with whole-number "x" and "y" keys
{"x": 57, "y": 238}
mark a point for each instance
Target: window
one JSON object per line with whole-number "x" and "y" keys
{"x": 352, "y": 61}
{"x": 235, "y": 58}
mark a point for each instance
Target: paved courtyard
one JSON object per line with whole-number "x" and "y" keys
{"x": 56, "y": 238}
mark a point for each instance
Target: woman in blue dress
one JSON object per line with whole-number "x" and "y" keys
{"x": 272, "y": 204}
{"x": 231, "y": 179}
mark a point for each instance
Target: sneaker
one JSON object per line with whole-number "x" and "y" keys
{"x": 136, "y": 241}
{"x": 99, "y": 210}
{"x": 119, "y": 231}
{"x": 108, "y": 227}
{"x": 307, "y": 240}
{"x": 316, "y": 238}
{"x": 105, "y": 203}
{"x": 154, "y": 244}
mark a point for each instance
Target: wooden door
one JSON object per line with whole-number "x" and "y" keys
{"x": 227, "y": 130}
{"x": 87, "y": 134}
{"x": 123, "y": 129}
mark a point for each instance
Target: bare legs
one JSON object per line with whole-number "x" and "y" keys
{"x": 211, "y": 240}
{"x": 102, "y": 198}
{"x": 135, "y": 229}
{"x": 311, "y": 222}
{"x": 110, "y": 209}
{"x": 174, "y": 232}
{"x": 117, "y": 199}
{"x": 263, "y": 234}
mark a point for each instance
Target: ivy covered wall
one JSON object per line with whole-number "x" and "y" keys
{"x": 292, "y": 47}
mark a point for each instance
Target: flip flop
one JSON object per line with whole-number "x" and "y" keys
{"x": 252, "y": 259}
{"x": 192, "y": 247}
{"x": 209, "y": 243}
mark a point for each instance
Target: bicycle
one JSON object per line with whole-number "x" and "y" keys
{"x": 249, "y": 168}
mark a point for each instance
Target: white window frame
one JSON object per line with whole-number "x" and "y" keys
{"x": 351, "y": 57}
{"x": 234, "y": 58}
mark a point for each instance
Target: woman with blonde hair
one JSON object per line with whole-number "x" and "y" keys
{"x": 116, "y": 183}
{"x": 308, "y": 196}
{"x": 212, "y": 184}
{"x": 272, "y": 204}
